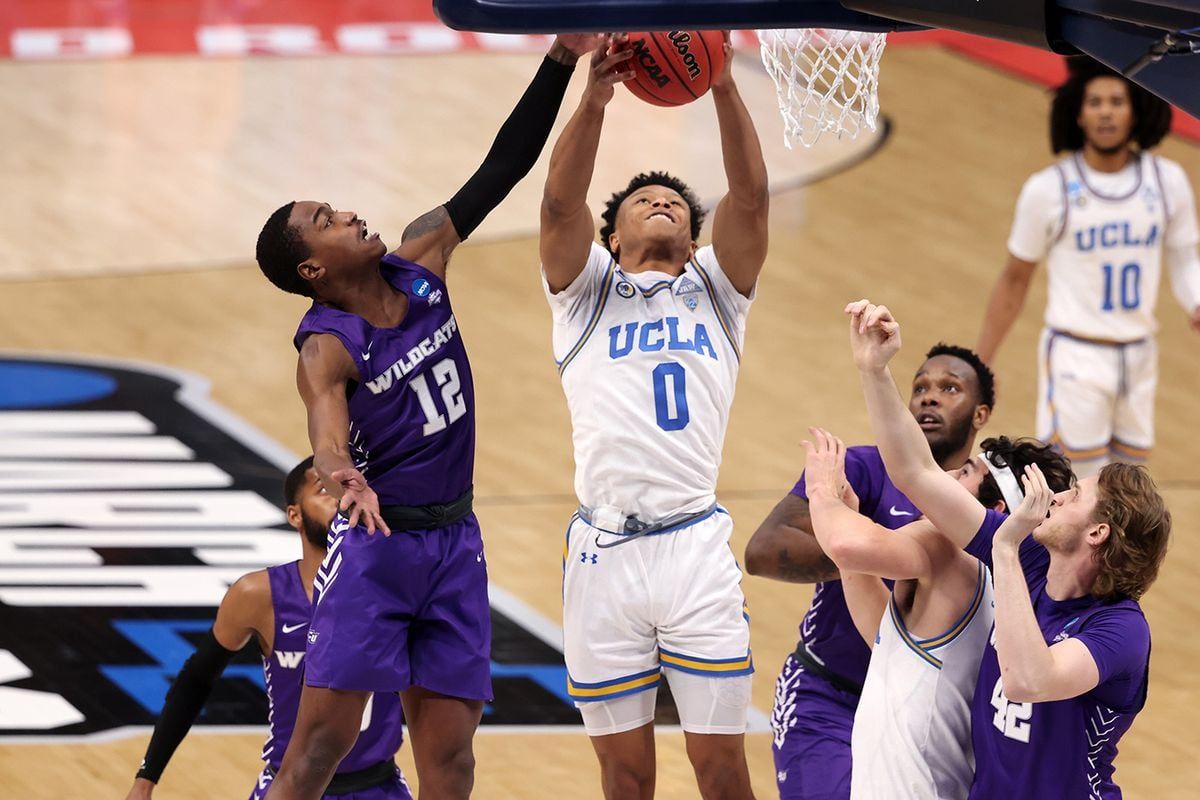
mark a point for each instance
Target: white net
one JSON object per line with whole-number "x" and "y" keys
{"x": 827, "y": 80}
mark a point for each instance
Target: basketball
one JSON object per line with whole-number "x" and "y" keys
{"x": 675, "y": 67}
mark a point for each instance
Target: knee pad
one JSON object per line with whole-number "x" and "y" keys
{"x": 709, "y": 704}
{"x": 620, "y": 714}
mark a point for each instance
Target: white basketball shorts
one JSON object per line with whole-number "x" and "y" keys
{"x": 667, "y": 600}
{"x": 1096, "y": 400}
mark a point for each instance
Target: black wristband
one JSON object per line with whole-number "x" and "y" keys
{"x": 515, "y": 149}
{"x": 184, "y": 700}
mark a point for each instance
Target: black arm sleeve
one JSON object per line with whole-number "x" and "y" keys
{"x": 515, "y": 150}
{"x": 184, "y": 700}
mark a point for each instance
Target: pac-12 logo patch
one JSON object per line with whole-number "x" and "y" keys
{"x": 129, "y": 503}
{"x": 625, "y": 289}
{"x": 421, "y": 287}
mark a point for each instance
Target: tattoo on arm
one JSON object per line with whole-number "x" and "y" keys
{"x": 793, "y": 572}
{"x": 796, "y": 551}
{"x": 426, "y": 223}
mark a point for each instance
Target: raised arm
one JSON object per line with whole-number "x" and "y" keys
{"x": 875, "y": 339}
{"x": 321, "y": 376}
{"x": 567, "y": 225}
{"x": 1032, "y": 671}
{"x": 431, "y": 238}
{"x": 854, "y": 542}
{"x": 244, "y": 612}
{"x": 1004, "y": 306}
{"x": 740, "y": 221}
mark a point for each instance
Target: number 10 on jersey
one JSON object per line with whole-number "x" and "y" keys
{"x": 670, "y": 396}
{"x": 1125, "y": 283}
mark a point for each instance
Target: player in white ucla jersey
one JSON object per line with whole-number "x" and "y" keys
{"x": 1104, "y": 218}
{"x": 647, "y": 335}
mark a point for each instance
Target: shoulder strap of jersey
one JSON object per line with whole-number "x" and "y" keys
{"x": 1061, "y": 167}
{"x": 1162, "y": 187}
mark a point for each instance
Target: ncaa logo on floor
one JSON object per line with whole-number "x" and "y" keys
{"x": 129, "y": 502}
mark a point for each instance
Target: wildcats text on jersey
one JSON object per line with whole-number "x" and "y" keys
{"x": 427, "y": 347}
{"x": 129, "y": 502}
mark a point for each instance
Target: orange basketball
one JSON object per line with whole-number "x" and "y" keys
{"x": 675, "y": 67}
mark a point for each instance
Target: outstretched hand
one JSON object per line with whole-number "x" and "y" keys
{"x": 360, "y": 500}
{"x": 1033, "y": 511}
{"x": 580, "y": 44}
{"x": 825, "y": 468}
{"x": 725, "y": 77}
{"x": 874, "y": 335}
{"x": 612, "y": 63}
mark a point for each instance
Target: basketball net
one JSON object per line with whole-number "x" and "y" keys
{"x": 827, "y": 80}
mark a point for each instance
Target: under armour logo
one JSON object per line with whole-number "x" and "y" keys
{"x": 583, "y": 558}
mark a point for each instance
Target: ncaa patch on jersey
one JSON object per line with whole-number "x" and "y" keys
{"x": 625, "y": 289}
{"x": 421, "y": 287}
{"x": 129, "y": 502}
{"x": 687, "y": 286}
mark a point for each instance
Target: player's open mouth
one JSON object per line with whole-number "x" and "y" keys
{"x": 661, "y": 214}
{"x": 929, "y": 420}
{"x": 366, "y": 236}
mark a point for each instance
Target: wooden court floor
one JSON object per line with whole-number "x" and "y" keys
{"x": 920, "y": 225}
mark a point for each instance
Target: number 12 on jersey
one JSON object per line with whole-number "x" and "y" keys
{"x": 445, "y": 375}
{"x": 670, "y": 396}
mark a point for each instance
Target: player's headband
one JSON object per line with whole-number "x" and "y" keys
{"x": 1010, "y": 490}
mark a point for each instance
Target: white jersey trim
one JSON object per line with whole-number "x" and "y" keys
{"x": 593, "y": 320}
{"x": 924, "y": 647}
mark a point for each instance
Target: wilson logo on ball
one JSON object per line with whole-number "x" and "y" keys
{"x": 680, "y": 39}
{"x": 675, "y": 67}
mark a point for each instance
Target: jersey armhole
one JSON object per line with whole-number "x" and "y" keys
{"x": 302, "y": 337}
{"x": 1162, "y": 191}
{"x": 1064, "y": 217}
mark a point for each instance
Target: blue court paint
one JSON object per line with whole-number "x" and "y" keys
{"x": 26, "y": 384}
{"x": 163, "y": 641}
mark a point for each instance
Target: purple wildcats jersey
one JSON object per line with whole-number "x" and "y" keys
{"x": 382, "y": 731}
{"x": 827, "y": 630}
{"x": 1065, "y": 748}
{"x": 412, "y": 412}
